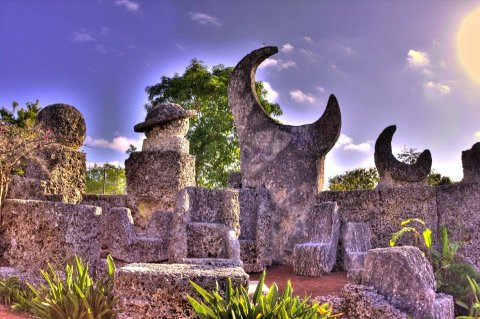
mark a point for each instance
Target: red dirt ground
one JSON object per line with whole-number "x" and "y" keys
{"x": 5, "y": 313}
{"x": 330, "y": 284}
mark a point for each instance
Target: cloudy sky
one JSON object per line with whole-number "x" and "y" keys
{"x": 411, "y": 63}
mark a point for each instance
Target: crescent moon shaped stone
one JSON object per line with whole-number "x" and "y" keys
{"x": 287, "y": 160}
{"x": 395, "y": 173}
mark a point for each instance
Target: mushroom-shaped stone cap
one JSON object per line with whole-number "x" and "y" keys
{"x": 161, "y": 114}
{"x": 65, "y": 122}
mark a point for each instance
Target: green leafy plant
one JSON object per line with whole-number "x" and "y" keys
{"x": 236, "y": 304}
{"x": 474, "y": 307}
{"x": 77, "y": 296}
{"x": 422, "y": 239}
{"x": 14, "y": 293}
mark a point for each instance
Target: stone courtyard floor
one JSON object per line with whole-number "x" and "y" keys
{"x": 330, "y": 284}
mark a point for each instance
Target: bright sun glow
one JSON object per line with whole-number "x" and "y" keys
{"x": 468, "y": 44}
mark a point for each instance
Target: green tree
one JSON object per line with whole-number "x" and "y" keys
{"x": 24, "y": 117}
{"x": 105, "y": 179}
{"x": 212, "y": 135}
{"x": 359, "y": 178}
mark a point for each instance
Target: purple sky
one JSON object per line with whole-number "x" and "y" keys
{"x": 388, "y": 62}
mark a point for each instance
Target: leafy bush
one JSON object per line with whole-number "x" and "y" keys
{"x": 14, "y": 293}
{"x": 474, "y": 308}
{"x": 77, "y": 296}
{"x": 236, "y": 304}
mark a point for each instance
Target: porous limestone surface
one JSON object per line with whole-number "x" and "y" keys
{"x": 154, "y": 179}
{"x": 287, "y": 160}
{"x": 151, "y": 291}
{"x": 356, "y": 241}
{"x": 65, "y": 123}
{"x": 122, "y": 241}
{"x": 62, "y": 168}
{"x": 38, "y": 232}
{"x": 471, "y": 164}
{"x": 255, "y": 228}
{"x": 404, "y": 277}
{"x": 394, "y": 173}
{"x": 161, "y": 115}
{"x": 317, "y": 256}
{"x": 459, "y": 210}
{"x": 361, "y": 302}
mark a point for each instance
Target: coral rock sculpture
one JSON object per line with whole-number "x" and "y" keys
{"x": 395, "y": 173}
{"x": 287, "y": 160}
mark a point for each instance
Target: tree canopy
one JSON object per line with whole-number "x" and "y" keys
{"x": 212, "y": 135}
{"x": 105, "y": 179}
{"x": 24, "y": 117}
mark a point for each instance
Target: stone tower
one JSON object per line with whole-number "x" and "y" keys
{"x": 164, "y": 166}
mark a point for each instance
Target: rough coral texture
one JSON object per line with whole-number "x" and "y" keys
{"x": 255, "y": 229}
{"x": 404, "y": 277}
{"x": 318, "y": 255}
{"x": 356, "y": 241}
{"x": 361, "y": 302}
{"x": 154, "y": 179}
{"x": 163, "y": 114}
{"x": 394, "y": 173}
{"x": 63, "y": 170}
{"x": 151, "y": 291}
{"x": 471, "y": 164}
{"x": 287, "y": 160}
{"x": 455, "y": 206}
{"x": 65, "y": 122}
{"x": 202, "y": 223}
{"x": 121, "y": 240}
{"x": 38, "y": 232}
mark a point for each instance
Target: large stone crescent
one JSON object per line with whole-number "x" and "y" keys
{"x": 250, "y": 116}
{"x": 387, "y": 164}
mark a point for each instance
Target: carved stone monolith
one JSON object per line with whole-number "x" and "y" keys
{"x": 287, "y": 160}
{"x": 471, "y": 164}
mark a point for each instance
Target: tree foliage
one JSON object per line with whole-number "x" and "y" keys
{"x": 24, "y": 117}
{"x": 105, "y": 179}
{"x": 359, "y": 178}
{"x": 212, "y": 135}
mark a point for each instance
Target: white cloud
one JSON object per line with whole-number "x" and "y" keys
{"x": 438, "y": 87}
{"x": 299, "y": 96}
{"x": 130, "y": 5}
{"x": 118, "y": 143}
{"x": 83, "y": 36}
{"x": 180, "y": 47}
{"x": 308, "y": 39}
{"x": 204, "y": 18}
{"x": 287, "y": 47}
{"x": 272, "y": 95}
{"x": 277, "y": 63}
{"x": 346, "y": 143}
{"x": 320, "y": 89}
{"x": 417, "y": 59}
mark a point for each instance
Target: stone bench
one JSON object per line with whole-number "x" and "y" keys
{"x": 159, "y": 290}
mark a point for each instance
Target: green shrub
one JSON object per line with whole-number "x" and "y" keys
{"x": 14, "y": 293}
{"x": 77, "y": 296}
{"x": 474, "y": 307}
{"x": 236, "y": 304}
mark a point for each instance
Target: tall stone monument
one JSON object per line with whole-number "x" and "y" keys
{"x": 287, "y": 160}
{"x": 164, "y": 166}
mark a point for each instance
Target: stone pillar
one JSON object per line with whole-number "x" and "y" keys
{"x": 164, "y": 166}
{"x": 61, "y": 165}
{"x": 471, "y": 164}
